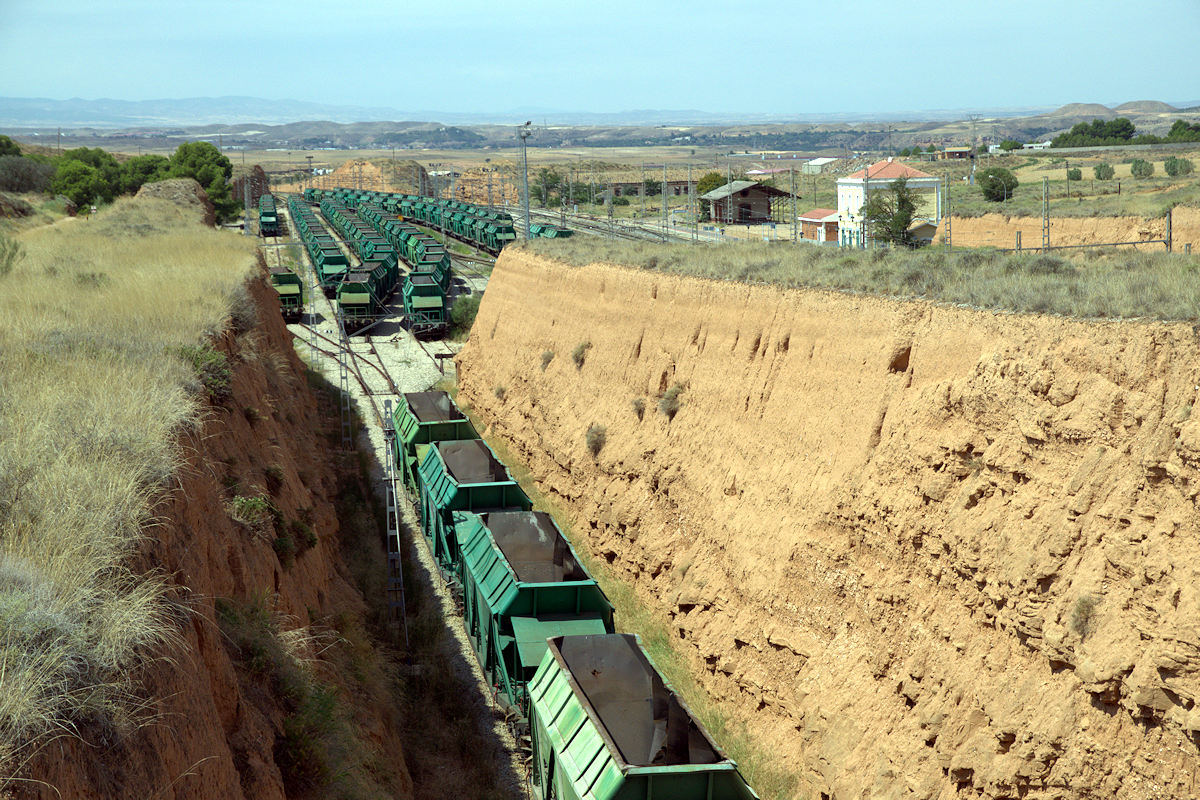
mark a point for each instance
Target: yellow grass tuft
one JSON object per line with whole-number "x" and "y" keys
{"x": 93, "y": 392}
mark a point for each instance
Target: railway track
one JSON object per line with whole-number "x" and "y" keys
{"x": 618, "y": 230}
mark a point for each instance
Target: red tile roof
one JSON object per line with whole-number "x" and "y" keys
{"x": 890, "y": 169}
{"x": 818, "y": 214}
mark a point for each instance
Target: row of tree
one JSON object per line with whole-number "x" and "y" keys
{"x": 1121, "y": 131}
{"x": 87, "y": 176}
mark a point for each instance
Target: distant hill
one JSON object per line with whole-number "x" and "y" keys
{"x": 1083, "y": 110}
{"x": 1146, "y": 107}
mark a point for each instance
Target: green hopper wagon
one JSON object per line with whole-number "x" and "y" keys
{"x": 462, "y": 475}
{"x": 522, "y": 584}
{"x": 422, "y": 418}
{"x": 605, "y": 725}
{"x": 291, "y": 292}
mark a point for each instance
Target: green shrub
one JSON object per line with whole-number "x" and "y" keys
{"x": 462, "y": 315}
{"x": 597, "y": 435}
{"x": 274, "y": 477}
{"x": 500, "y": 393}
{"x": 285, "y": 548}
{"x": 669, "y": 402}
{"x": 1141, "y": 168}
{"x": 1176, "y": 167}
{"x": 639, "y": 407}
{"x": 303, "y": 533}
{"x": 256, "y": 513}
{"x": 547, "y": 357}
{"x": 1104, "y": 172}
{"x": 212, "y": 368}
{"x": 579, "y": 354}
{"x": 997, "y": 183}
{"x": 620, "y": 201}
{"x": 1075, "y": 174}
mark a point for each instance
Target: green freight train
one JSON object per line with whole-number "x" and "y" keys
{"x": 602, "y": 721}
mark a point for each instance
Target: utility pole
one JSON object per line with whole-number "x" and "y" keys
{"x": 643, "y": 188}
{"x": 729, "y": 187}
{"x": 663, "y": 196}
{"x": 524, "y": 132}
{"x": 246, "y": 207}
{"x": 793, "y": 171}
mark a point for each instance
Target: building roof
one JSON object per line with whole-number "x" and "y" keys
{"x": 956, "y": 149}
{"x": 820, "y": 162}
{"x": 819, "y": 215}
{"x": 721, "y": 192}
{"x": 885, "y": 170}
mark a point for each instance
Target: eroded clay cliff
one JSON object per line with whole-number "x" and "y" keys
{"x": 922, "y": 551}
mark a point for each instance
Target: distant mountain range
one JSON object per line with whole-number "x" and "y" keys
{"x": 42, "y": 113}
{"x": 253, "y": 123}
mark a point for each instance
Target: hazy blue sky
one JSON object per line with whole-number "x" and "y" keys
{"x": 463, "y": 55}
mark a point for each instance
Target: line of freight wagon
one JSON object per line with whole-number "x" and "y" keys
{"x": 361, "y": 291}
{"x": 603, "y": 722}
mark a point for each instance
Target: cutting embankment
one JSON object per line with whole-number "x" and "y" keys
{"x": 177, "y": 613}
{"x": 917, "y": 550}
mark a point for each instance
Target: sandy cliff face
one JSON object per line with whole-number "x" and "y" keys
{"x": 217, "y": 726}
{"x": 925, "y": 552}
{"x": 998, "y": 230}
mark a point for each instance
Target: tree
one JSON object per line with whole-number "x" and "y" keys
{"x": 1008, "y": 145}
{"x": 931, "y": 149}
{"x": 653, "y": 187}
{"x": 708, "y": 181}
{"x": 204, "y": 162}
{"x": 1141, "y": 168}
{"x": 9, "y": 148}
{"x": 1075, "y": 174}
{"x": 82, "y": 183}
{"x": 142, "y": 169}
{"x": 1104, "y": 172}
{"x": 20, "y": 174}
{"x": 1175, "y": 167}
{"x": 996, "y": 183}
{"x": 889, "y": 212}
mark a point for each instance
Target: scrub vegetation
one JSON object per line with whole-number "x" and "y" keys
{"x": 98, "y": 323}
{"x": 1103, "y": 283}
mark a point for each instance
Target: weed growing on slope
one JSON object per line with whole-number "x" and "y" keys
{"x": 212, "y": 368}
{"x": 1083, "y": 613}
{"x": 579, "y": 354}
{"x": 639, "y": 407}
{"x": 669, "y": 402}
{"x": 547, "y": 357}
{"x": 596, "y": 437}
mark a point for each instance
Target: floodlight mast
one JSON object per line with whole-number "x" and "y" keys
{"x": 524, "y": 132}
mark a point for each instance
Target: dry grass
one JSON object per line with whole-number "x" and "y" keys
{"x": 93, "y": 392}
{"x": 1109, "y": 283}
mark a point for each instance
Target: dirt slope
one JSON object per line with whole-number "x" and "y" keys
{"x": 216, "y": 726}
{"x": 925, "y": 552}
{"x": 997, "y": 230}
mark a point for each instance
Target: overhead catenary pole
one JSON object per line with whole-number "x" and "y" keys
{"x": 524, "y": 133}
{"x": 663, "y": 196}
{"x": 794, "y": 221}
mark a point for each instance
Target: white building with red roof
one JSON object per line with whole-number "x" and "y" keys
{"x": 853, "y": 189}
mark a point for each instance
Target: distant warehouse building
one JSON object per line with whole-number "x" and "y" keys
{"x": 743, "y": 202}
{"x": 817, "y": 165}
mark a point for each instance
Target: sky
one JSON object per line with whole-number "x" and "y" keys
{"x": 767, "y": 57}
